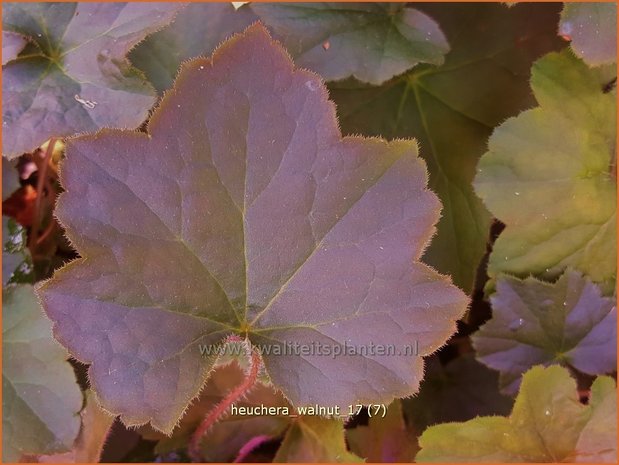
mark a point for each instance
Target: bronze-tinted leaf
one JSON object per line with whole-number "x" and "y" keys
{"x": 245, "y": 211}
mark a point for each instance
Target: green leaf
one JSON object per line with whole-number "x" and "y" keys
{"x": 16, "y": 259}
{"x": 10, "y": 178}
{"x": 244, "y": 211}
{"x": 12, "y": 44}
{"x": 96, "y": 427}
{"x": 592, "y": 28}
{"x": 460, "y": 390}
{"x": 196, "y": 31}
{"x": 385, "y": 439}
{"x": 370, "y": 41}
{"x": 549, "y": 176}
{"x": 74, "y": 76}
{"x": 452, "y": 110}
{"x": 534, "y": 322}
{"x": 548, "y": 424}
{"x": 598, "y": 439}
{"x": 313, "y": 439}
{"x": 40, "y": 397}
{"x": 16, "y": 263}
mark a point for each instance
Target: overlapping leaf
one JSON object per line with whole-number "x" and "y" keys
{"x": 598, "y": 439}
{"x": 313, "y": 439}
{"x": 385, "y": 440}
{"x": 245, "y": 211}
{"x": 196, "y": 31}
{"x": 225, "y": 439}
{"x": 16, "y": 262}
{"x": 10, "y": 178}
{"x": 370, "y": 41}
{"x": 73, "y": 76}
{"x": 592, "y": 29}
{"x": 549, "y": 175}
{"x": 96, "y": 426}
{"x": 12, "y": 44}
{"x": 453, "y": 108}
{"x": 462, "y": 389}
{"x": 40, "y": 397}
{"x": 548, "y": 424}
{"x": 534, "y": 322}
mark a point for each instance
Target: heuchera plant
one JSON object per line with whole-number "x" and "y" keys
{"x": 243, "y": 211}
{"x": 401, "y": 215}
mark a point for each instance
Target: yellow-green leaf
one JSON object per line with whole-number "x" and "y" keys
{"x": 313, "y": 439}
{"x": 549, "y": 175}
{"x": 385, "y": 440}
{"x": 548, "y": 424}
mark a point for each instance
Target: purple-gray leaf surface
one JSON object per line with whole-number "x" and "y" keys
{"x": 244, "y": 211}
{"x": 12, "y": 44}
{"x": 74, "y": 76}
{"x": 535, "y": 323}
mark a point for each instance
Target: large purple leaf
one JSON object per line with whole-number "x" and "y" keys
{"x": 73, "y": 76}
{"x": 245, "y": 211}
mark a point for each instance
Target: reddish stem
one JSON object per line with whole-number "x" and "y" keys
{"x": 251, "y": 446}
{"x": 47, "y": 233}
{"x": 41, "y": 182}
{"x": 220, "y": 409}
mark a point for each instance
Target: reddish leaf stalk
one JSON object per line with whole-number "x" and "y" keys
{"x": 41, "y": 181}
{"x": 250, "y": 446}
{"x": 220, "y": 409}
